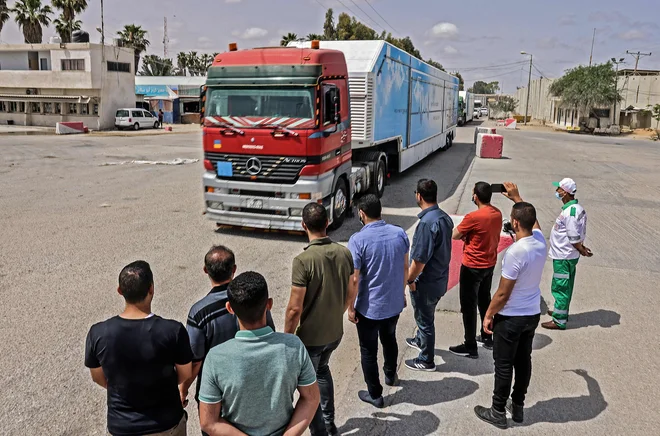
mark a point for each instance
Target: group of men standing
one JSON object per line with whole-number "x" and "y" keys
{"x": 247, "y": 373}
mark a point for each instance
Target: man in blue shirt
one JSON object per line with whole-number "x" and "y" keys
{"x": 428, "y": 272}
{"x": 380, "y": 257}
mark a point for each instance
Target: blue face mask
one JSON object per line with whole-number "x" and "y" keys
{"x": 558, "y": 196}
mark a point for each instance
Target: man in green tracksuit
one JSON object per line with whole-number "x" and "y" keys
{"x": 566, "y": 247}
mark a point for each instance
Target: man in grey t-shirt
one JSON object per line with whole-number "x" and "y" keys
{"x": 248, "y": 382}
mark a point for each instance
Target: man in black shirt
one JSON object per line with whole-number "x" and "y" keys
{"x": 209, "y": 322}
{"x": 140, "y": 358}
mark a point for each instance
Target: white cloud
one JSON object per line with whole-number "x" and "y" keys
{"x": 450, "y": 50}
{"x": 254, "y": 33}
{"x": 632, "y": 35}
{"x": 233, "y": 1}
{"x": 444, "y": 30}
{"x": 204, "y": 42}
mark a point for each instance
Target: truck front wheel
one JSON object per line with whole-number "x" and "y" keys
{"x": 341, "y": 202}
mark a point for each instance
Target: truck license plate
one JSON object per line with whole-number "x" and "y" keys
{"x": 254, "y": 203}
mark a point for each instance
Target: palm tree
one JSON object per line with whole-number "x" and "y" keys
{"x": 4, "y": 13}
{"x": 182, "y": 63}
{"x": 69, "y": 8}
{"x": 153, "y": 65}
{"x": 65, "y": 27}
{"x": 314, "y": 37}
{"x": 206, "y": 61}
{"x": 136, "y": 38}
{"x": 286, "y": 39}
{"x": 30, "y": 15}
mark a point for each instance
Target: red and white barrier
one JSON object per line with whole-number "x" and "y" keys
{"x": 490, "y": 146}
{"x": 477, "y": 130}
{"x": 510, "y": 123}
{"x": 69, "y": 128}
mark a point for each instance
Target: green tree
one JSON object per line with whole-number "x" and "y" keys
{"x": 153, "y": 65}
{"x": 182, "y": 63}
{"x": 289, "y": 37}
{"x": 136, "y": 38}
{"x": 4, "y": 14}
{"x": 506, "y": 104}
{"x": 314, "y": 36}
{"x": 329, "y": 31}
{"x": 65, "y": 28}
{"x": 69, "y": 8}
{"x": 585, "y": 87}
{"x": 461, "y": 82}
{"x": 481, "y": 87}
{"x": 31, "y": 17}
{"x": 344, "y": 29}
{"x": 435, "y": 64}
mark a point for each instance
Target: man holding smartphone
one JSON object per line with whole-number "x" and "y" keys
{"x": 481, "y": 232}
{"x": 566, "y": 247}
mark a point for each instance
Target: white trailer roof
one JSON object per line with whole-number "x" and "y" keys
{"x": 361, "y": 56}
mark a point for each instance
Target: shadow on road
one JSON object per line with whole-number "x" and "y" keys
{"x": 472, "y": 367}
{"x": 599, "y": 318}
{"x": 572, "y": 409}
{"x": 428, "y": 393}
{"x": 419, "y": 423}
{"x": 541, "y": 341}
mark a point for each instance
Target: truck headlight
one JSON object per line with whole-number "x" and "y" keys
{"x": 214, "y": 205}
{"x": 294, "y": 211}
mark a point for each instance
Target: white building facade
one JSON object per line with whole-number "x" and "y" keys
{"x": 43, "y": 84}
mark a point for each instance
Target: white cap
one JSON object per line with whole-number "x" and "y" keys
{"x": 567, "y": 185}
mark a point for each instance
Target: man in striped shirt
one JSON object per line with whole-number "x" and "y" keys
{"x": 209, "y": 322}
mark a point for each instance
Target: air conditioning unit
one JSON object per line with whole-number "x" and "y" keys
{"x": 55, "y": 40}
{"x": 32, "y": 91}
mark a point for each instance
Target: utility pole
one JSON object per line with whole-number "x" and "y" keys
{"x": 593, "y": 39}
{"x": 637, "y": 56}
{"x": 166, "y": 40}
{"x": 102, "y": 35}
{"x": 529, "y": 82}
{"x": 616, "y": 84}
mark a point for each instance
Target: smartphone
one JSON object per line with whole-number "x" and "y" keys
{"x": 497, "y": 187}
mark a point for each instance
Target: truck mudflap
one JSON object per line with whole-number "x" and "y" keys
{"x": 264, "y": 205}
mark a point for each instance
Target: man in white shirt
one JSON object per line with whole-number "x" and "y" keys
{"x": 514, "y": 313}
{"x": 566, "y": 247}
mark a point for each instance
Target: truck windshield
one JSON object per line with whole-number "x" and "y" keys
{"x": 291, "y": 107}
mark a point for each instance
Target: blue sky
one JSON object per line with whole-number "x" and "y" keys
{"x": 470, "y": 36}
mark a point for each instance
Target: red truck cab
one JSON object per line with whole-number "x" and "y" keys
{"x": 276, "y": 135}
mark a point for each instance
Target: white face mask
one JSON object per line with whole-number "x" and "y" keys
{"x": 558, "y": 195}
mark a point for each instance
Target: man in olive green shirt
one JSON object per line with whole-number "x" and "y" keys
{"x": 321, "y": 287}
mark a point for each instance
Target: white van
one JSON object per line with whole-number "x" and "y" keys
{"x": 135, "y": 119}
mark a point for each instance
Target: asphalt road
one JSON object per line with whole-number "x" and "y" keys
{"x": 69, "y": 222}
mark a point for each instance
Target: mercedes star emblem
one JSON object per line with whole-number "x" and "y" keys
{"x": 253, "y": 166}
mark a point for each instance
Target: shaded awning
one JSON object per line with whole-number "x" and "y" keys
{"x": 41, "y": 97}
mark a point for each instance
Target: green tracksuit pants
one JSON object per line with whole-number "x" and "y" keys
{"x": 563, "y": 280}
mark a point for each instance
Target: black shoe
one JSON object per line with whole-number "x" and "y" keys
{"x": 486, "y": 343}
{"x": 462, "y": 350}
{"x": 394, "y": 381}
{"x": 515, "y": 410}
{"x": 412, "y": 343}
{"x": 420, "y": 365}
{"x": 376, "y": 402}
{"x": 487, "y": 414}
{"x": 331, "y": 429}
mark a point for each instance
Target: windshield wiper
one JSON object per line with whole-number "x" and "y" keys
{"x": 278, "y": 129}
{"x": 227, "y": 126}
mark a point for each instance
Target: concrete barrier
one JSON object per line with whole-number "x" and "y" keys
{"x": 69, "y": 128}
{"x": 489, "y": 146}
{"x": 511, "y": 123}
{"x": 489, "y": 130}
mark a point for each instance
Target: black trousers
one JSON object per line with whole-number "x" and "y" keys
{"x": 475, "y": 284}
{"x": 512, "y": 351}
{"x": 368, "y": 332}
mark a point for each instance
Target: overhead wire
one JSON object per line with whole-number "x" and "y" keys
{"x": 368, "y": 16}
{"x": 353, "y": 12}
{"x": 381, "y": 17}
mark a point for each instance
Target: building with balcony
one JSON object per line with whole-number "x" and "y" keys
{"x": 43, "y": 84}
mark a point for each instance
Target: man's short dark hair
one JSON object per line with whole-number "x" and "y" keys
{"x": 219, "y": 263}
{"x": 525, "y": 214}
{"x": 370, "y": 205}
{"x": 483, "y": 192}
{"x": 135, "y": 280}
{"x": 315, "y": 217}
{"x": 428, "y": 190}
{"x": 248, "y": 295}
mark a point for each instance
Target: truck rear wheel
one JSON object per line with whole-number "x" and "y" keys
{"x": 378, "y": 187}
{"x": 341, "y": 202}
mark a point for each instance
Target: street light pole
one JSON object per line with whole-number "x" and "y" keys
{"x": 616, "y": 85}
{"x": 529, "y": 83}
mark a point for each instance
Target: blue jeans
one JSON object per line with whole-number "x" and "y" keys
{"x": 325, "y": 414}
{"x": 424, "y": 301}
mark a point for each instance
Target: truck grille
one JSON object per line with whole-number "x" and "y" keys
{"x": 274, "y": 169}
